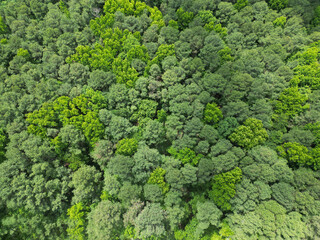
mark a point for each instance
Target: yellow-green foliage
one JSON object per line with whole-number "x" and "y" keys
{"x": 299, "y": 155}
{"x": 106, "y": 196}
{"x": 225, "y": 55}
{"x": 129, "y": 232}
{"x": 116, "y": 48}
{"x": 77, "y": 221}
{"x": 157, "y": 177}
{"x": 292, "y": 101}
{"x": 106, "y": 56}
{"x": 186, "y": 155}
{"x": 224, "y": 233}
{"x": 211, "y": 23}
{"x": 127, "y": 146}
{"x": 240, "y": 4}
{"x": 250, "y": 134}
{"x": 3, "y": 143}
{"x": 222, "y": 31}
{"x": 280, "y": 21}
{"x": 147, "y": 110}
{"x": 184, "y": 18}
{"x": 64, "y": 8}
{"x": 3, "y": 41}
{"x": 132, "y": 7}
{"x": 224, "y": 188}
{"x": 3, "y": 26}
{"x": 188, "y": 232}
{"x": 23, "y": 53}
{"x": 164, "y": 50}
{"x": 212, "y": 113}
{"x": 81, "y": 112}
{"x": 307, "y": 73}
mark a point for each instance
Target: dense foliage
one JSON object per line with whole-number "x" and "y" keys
{"x": 156, "y": 120}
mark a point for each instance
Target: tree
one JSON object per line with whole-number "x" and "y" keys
{"x": 269, "y": 220}
{"x": 249, "y": 194}
{"x": 121, "y": 167}
{"x": 86, "y": 183}
{"x": 284, "y": 194}
{"x": 212, "y": 114}
{"x": 184, "y": 18}
{"x": 154, "y": 133}
{"x": 224, "y": 163}
{"x": 189, "y": 174}
{"x": 150, "y": 222}
{"x": 292, "y": 101}
{"x": 146, "y": 160}
{"x": 153, "y": 192}
{"x": 186, "y": 155}
{"x": 240, "y": 4}
{"x": 128, "y": 193}
{"x": 195, "y": 36}
{"x": 104, "y": 221}
{"x": 315, "y": 129}
{"x": 100, "y": 80}
{"x": 225, "y": 10}
{"x": 64, "y": 8}
{"x": 205, "y": 170}
{"x": 207, "y": 214}
{"x": 169, "y": 35}
{"x": 278, "y": 4}
{"x": 239, "y": 110}
{"x": 188, "y": 232}
{"x": 280, "y": 21}
{"x": 262, "y": 172}
{"x": 222, "y": 146}
{"x": 131, "y": 119}
{"x": 157, "y": 177}
{"x": 173, "y": 76}
{"x": 298, "y": 135}
{"x": 250, "y": 134}
{"x": 70, "y": 145}
{"x": 298, "y": 155}
{"x": 77, "y": 221}
{"x": 3, "y": 143}
{"x": 102, "y": 152}
{"x": 238, "y": 88}
{"x": 147, "y": 109}
{"x": 316, "y": 19}
{"x": 130, "y": 216}
{"x": 127, "y": 146}
{"x": 174, "y": 176}
{"x": 227, "y": 126}
{"x": 175, "y": 209}
{"x": 82, "y": 112}
{"x": 33, "y": 213}
{"x": 117, "y": 127}
{"x": 3, "y": 26}
{"x": 211, "y": 53}
{"x": 223, "y": 188}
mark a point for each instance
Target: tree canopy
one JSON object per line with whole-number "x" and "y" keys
{"x": 159, "y": 119}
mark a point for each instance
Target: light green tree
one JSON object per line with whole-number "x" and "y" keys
{"x": 250, "y": 134}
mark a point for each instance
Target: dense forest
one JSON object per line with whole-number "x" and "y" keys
{"x": 159, "y": 119}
